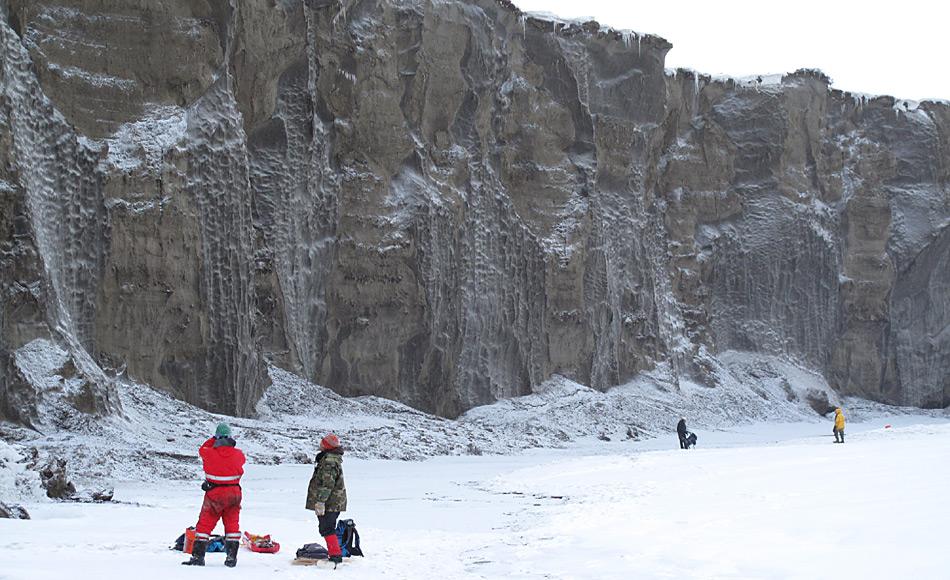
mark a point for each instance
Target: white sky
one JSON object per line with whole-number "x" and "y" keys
{"x": 895, "y": 48}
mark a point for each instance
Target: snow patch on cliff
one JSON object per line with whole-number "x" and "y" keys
{"x": 98, "y": 80}
{"x": 45, "y": 365}
{"x": 17, "y": 483}
{"x": 143, "y": 143}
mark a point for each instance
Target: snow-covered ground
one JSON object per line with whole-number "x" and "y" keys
{"x": 567, "y": 482}
{"x": 151, "y": 438}
{"x": 756, "y": 501}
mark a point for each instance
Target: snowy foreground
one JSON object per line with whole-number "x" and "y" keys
{"x": 760, "y": 501}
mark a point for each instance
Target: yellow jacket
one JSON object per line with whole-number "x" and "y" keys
{"x": 839, "y": 419}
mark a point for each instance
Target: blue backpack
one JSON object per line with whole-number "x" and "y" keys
{"x": 349, "y": 538}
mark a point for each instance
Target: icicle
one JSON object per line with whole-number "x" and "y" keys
{"x": 639, "y": 54}
{"x": 625, "y": 35}
{"x": 523, "y": 18}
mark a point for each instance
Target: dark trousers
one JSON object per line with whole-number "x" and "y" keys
{"x": 328, "y": 523}
{"x": 683, "y": 443}
{"x": 838, "y": 432}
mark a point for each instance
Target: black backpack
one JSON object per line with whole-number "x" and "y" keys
{"x": 691, "y": 440}
{"x": 313, "y": 552}
{"x": 349, "y": 538}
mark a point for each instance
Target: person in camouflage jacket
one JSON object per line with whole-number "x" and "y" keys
{"x": 326, "y": 495}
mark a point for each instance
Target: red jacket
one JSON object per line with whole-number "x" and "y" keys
{"x": 222, "y": 465}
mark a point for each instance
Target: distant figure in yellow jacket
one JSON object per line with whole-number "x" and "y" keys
{"x": 839, "y": 426}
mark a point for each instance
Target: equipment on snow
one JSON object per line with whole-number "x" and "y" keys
{"x": 312, "y": 555}
{"x": 188, "y": 540}
{"x": 690, "y": 440}
{"x": 216, "y": 544}
{"x": 185, "y": 542}
{"x": 314, "y": 562}
{"x": 313, "y": 551}
{"x": 344, "y": 542}
{"x": 348, "y": 538}
{"x": 260, "y": 544}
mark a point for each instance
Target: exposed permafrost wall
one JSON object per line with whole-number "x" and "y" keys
{"x": 446, "y": 202}
{"x": 230, "y": 375}
{"x": 50, "y": 169}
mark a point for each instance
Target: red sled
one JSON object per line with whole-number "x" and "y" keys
{"x": 259, "y": 544}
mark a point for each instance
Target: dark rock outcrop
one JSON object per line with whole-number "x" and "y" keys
{"x": 13, "y": 511}
{"x": 54, "y": 480}
{"x": 445, "y": 203}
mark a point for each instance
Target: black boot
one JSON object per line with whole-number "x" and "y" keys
{"x": 197, "y": 553}
{"x": 842, "y": 436}
{"x": 231, "y": 548}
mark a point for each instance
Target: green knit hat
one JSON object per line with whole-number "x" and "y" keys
{"x": 223, "y": 430}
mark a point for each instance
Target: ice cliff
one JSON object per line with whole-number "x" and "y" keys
{"x": 444, "y": 203}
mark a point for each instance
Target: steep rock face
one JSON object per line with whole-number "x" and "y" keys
{"x": 445, "y": 203}
{"x": 53, "y": 228}
{"x": 808, "y": 244}
{"x": 454, "y": 255}
{"x": 101, "y": 62}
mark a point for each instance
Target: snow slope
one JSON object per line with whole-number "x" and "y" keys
{"x": 767, "y": 501}
{"x": 156, "y": 436}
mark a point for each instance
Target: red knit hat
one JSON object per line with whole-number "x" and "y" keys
{"x": 331, "y": 441}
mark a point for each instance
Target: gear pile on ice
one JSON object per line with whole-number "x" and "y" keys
{"x": 261, "y": 544}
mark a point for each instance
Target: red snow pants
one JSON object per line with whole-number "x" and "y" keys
{"x": 221, "y": 503}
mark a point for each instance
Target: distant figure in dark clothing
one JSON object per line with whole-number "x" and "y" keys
{"x": 682, "y": 433}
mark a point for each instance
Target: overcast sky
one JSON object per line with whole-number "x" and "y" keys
{"x": 896, "y": 48}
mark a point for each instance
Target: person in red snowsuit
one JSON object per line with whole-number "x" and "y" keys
{"x": 223, "y": 468}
